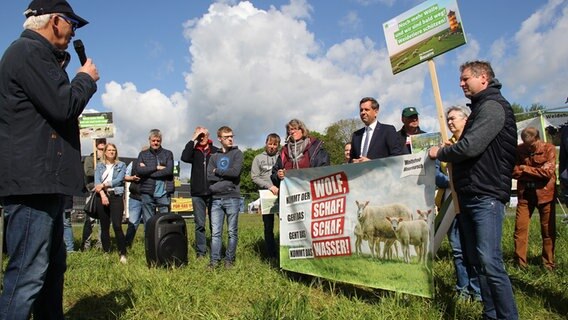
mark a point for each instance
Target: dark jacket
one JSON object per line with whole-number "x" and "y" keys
{"x": 224, "y": 173}
{"x": 134, "y": 188}
{"x": 149, "y": 173}
{"x": 315, "y": 152}
{"x": 198, "y": 158}
{"x": 404, "y": 139}
{"x": 484, "y": 156}
{"x": 40, "y": 151}
{"x": 384, "y": 143}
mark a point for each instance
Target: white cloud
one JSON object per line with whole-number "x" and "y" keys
{"x": 254, "y": 70}
{"x": 350, "y": 22}
{"x": 538, "y": 63}
{"x": 299, "y": 9}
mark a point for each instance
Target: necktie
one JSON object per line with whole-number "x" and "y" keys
{"x": 366, "y": 142}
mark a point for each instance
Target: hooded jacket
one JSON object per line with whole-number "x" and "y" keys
{"x": 224, "y": 173}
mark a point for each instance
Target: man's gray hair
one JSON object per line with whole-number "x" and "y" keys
{"x": 155, "y": 133}
{"x": 465, "y": 111}
{"x": 37, "y": 22}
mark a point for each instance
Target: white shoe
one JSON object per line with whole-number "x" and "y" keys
{"x": 123, "y": 259}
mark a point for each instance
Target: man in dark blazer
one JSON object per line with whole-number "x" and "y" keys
{"x": 384, "y": 141}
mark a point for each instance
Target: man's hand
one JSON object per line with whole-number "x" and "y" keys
{"x": 197, "y": 134}
{"x": 361, "y": 159}
{"x": 274, "y": 190}
{"x": 281, "y": 173}
{"x": 90, "y": 69}
{"x": 433, "y": 152}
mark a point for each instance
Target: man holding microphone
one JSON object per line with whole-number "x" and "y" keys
{"x": 40, "y": 160}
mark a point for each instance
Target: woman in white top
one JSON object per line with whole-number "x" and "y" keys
{"x": 109, "y": 186}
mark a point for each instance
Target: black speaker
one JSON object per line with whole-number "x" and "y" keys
{"x": 166, "y": 240}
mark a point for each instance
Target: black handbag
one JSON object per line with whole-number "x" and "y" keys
{"x": 90, "y": 208}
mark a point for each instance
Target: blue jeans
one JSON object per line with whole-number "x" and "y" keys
{"x": 481, "y": 220}
{"x": 467, "y": 277}
{"x": 219, "y": 209}
{"x": 201, "y": 205}
{"x": 134, "y": 218}
{"x": 150, "y": 203}
{"x": 34, "y": 241}
{"x": 68, "y": 232}
{"x": 67, "y": 227}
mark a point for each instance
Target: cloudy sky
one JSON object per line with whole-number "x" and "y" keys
{"x": 255, "y": 65}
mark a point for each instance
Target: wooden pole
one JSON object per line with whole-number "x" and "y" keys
{"x": 95, "y": 154}
{"x": 442, "y": 122}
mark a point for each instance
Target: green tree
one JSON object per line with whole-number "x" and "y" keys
{"x": 248, "y": 188}
{"x": 337, "y": 135}
{"x": 527, "y": 113}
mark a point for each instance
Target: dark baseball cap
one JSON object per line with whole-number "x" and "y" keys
{"x": 41, "y": 7}
{"x": 100, "y": 140}
{"x": 410, "y": 111}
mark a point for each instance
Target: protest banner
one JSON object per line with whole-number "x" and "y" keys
{"x": 333, "y": 223}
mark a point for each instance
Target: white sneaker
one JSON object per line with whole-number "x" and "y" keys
{"x": 123, "y": 259}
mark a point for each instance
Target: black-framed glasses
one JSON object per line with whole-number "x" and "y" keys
{"x": 72, "y": 22}
{"x": 227, "y": 137}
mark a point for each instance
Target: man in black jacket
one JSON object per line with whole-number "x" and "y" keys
{"x": 483, "y": 161}
{"x": 197, "y": 152}
{"x": 40, "y": 156}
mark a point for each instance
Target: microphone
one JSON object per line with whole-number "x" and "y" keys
{"x": 80, "y": 49}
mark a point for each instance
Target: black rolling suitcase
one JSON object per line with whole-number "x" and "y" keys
{"x": 166, "y": 240}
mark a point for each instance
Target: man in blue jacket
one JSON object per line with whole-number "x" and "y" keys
{"x": 156, "y": 172}
{"x": 40, "y": 156}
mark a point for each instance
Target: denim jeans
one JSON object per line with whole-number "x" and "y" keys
{"x": 68, "y": 232}
{"x": 467, "y": 277}
{"x": 67, "y": 227}
{"x": 34, "y": 243}
{"x": 201, "y": 205}
{"x": 481, "y": 220}
{"x": 150, "y": 203}
{"x": 134, "y": 218}
{"x": 219, "y": 209}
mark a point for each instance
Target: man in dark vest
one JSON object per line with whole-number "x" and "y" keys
{"x": 483, "y": 161}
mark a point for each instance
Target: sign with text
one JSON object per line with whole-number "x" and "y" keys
{"x": 423, "y": 32}
{"x": 334, "y": 223}
{"x": 96, "y": 125}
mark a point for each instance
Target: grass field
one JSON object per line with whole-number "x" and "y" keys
{"x": 97, "y": 286}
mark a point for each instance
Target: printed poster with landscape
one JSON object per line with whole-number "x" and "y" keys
{"x": 96, "y": 125}
{"x": 422, "y": 33}
{"x": 339, "y": 223}
{"x": 423, "y": 141}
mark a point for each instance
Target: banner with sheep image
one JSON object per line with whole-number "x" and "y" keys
{"x": 368, "y": 224}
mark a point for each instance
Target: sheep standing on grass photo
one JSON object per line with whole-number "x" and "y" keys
{"x": 373, "y": 227}
{"x": 411, "y": 233}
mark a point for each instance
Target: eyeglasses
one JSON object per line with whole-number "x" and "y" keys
{"x": 227, "y": 137}
{"x": 72, "y": 22}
